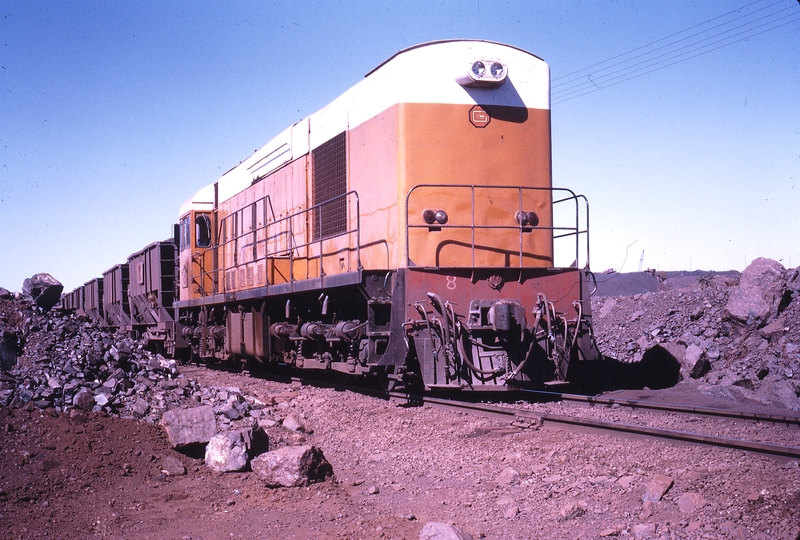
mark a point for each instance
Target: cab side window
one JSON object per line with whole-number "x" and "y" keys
{"x": 202, "y": 231}
{"x": 184, "y": 232}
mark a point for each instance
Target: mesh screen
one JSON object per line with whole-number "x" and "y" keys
{"x": 329, "y": 162}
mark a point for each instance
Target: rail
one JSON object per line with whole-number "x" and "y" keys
{"x": 524, "y": 418}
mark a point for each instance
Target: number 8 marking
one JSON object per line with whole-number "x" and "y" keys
{"x": 451, "y": 282}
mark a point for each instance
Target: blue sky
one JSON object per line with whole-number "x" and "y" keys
{"x": 114, "y": 113}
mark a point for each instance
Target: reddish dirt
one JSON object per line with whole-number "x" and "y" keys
{"x": 101, "y": 477}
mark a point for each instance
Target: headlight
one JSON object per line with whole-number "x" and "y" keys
{"x": 477, "y": 73}
{"x": 441, "y": 217}
{"x": 498, "y": 70}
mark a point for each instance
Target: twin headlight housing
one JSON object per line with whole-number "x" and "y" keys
{"x": 484, "y": 73}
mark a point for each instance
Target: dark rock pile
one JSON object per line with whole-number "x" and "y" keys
{"x": 739, "y": 337}
{"x": 63, "y": 361}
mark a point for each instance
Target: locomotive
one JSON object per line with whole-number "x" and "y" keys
{"x": 408, "y": 232}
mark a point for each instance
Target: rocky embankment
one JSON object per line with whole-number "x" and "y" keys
{"x": 737, "y": 336}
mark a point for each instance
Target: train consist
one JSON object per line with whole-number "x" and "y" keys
{"x": 408, "y": 232}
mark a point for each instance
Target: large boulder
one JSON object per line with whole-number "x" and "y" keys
{"x": 232, "y": 450}
{"x": 43, "y": 289}
{"x": 762, "y": 288}
{"x": 292, "y": 466}
{"x": 188, "y": 427}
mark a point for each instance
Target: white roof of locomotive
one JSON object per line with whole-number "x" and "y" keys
{"x": 424, "y": 73}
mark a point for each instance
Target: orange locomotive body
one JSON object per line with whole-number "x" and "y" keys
{"x": 407, "y": 231}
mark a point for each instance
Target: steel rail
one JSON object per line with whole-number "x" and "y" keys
{"x": 666, "y": 407}
{"x": 522, "y": 418}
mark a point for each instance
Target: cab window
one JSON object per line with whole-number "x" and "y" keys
{"x": 202, "y": 231}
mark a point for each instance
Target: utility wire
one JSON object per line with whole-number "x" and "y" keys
{"x": 663, "y": 39}
{"x": 670, "y": 54}
{"x": 594, "y": 83}
{"x": 674, "y": 51}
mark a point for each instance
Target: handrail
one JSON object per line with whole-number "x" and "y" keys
{"x": 580, "y": 229}
{"x": 281, "y": 234}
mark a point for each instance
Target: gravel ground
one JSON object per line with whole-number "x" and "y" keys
{"x": 396, "y": 467}
{"x": 72, "y": 474}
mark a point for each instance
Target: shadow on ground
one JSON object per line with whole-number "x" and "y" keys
{"x": 657, "y": 370}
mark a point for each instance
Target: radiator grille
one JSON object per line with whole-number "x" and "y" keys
{"x": 329, "y": 162}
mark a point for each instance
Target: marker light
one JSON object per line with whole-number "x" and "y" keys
{"x": 429, "y": 216}
{"x": 527, "y": 218}
{"x": 477, "y": 74}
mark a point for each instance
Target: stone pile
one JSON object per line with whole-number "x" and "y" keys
{"x": 737, "y": 336}
{"x": 65, "y": 361}
{"x": 51, "y": 359}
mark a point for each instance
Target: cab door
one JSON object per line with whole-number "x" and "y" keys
{"x": 197, "y": 268}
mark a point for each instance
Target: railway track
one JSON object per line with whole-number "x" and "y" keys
{"x": 521, "y": 418}
{"x": 666, "y": 407}
{"x": 524, "y": 418}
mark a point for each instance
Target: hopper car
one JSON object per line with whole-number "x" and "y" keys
{"x": 408, "y": 232}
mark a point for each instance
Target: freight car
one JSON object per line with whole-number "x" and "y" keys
{"x": 408, "y": 231}
{"x": 137, "y": 298}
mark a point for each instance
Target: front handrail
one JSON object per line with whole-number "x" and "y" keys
{"x": 579, "y": 230}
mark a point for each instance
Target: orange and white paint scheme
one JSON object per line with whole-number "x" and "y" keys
{"x": 431, "y": 175}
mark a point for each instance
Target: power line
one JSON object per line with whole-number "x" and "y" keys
{"x": 732, "y": 31}
{"x": 662, "y": 39}
{"x": 649, "y": 62}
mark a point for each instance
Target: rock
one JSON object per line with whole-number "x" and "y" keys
{"x": 43, "y": 289}
{"x": 774, "y": 330}
{"x": 694, "y": 364}
{"x": 140, "y": 407}
{"x": 186, "y": 427}
{"x": 172, "y": 466}
{"x": 293, "y": 424}
{"x": 84, "y": 400}
{"x": 508, "y": 477}
{"x": 572, "y": 510}
{"x": 227, "y": 452}
{"x": 657, "y": 488}
{"x": 644, "y": 530}
{"x": 511, "y": 512}
{"x": 689, "y": 502}
{"x": 292, "y": 466}
{"x": 233, "y": 450}
{"x": 760, "y": 291}
{"x": 434, "y": 530}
